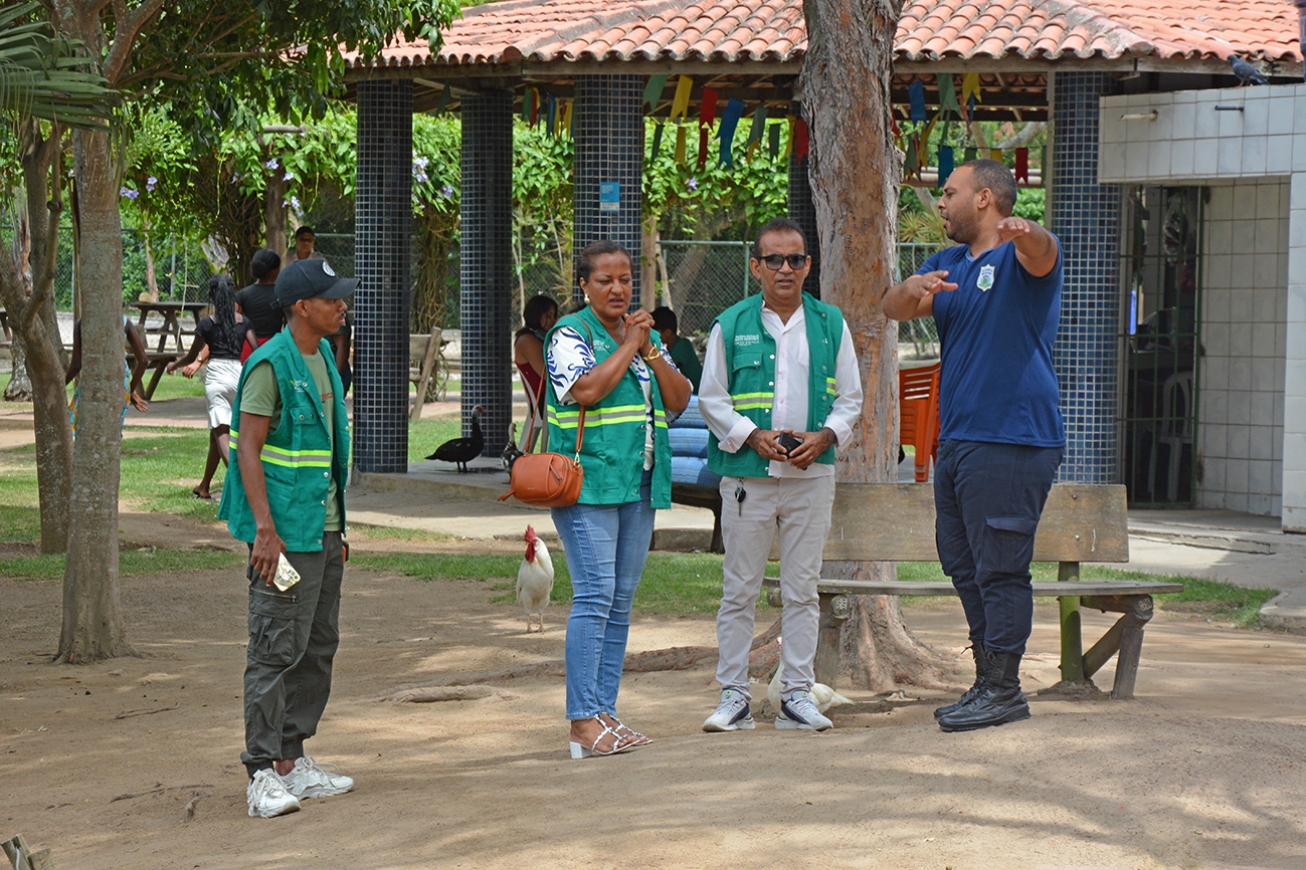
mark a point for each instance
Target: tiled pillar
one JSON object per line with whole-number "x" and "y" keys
{"x": 608, "y": 126}
{"x": 1086, "y": 218}
{"x": 383, "y": 227}
{"x": 487, "y": 265}
{"x": 803, "y": 213}
{"x": 1294, "y": 381}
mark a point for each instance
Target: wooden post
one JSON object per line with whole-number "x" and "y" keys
{"x": 1131, "y": 648}
{"x": 834, "y": 610}
{"x": 1072, "y": 643}
{"x": 428, "y": 369}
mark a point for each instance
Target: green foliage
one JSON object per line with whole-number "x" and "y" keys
{"x": 43, "y": 75}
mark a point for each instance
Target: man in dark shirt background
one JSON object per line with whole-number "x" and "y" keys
{"x": 258, "y": 301}
{"x": 1002, "y": 437}
{"x": 681, "y": 349}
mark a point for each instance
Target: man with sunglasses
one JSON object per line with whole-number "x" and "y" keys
{"x": 996, "y": 299}
{"x": 780, "y": 391}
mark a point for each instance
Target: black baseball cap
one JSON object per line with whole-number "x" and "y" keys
{"x": 305, "y": 279}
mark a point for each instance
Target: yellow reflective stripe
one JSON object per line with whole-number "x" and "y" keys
{"x": 829, "y": 386}
{"x": 751, "y": 401}
{"x": 290, "y": 458}
{"x": 737, "y": 396}
{"x": 749, "y": 406}
{"x": 661, "y": 424}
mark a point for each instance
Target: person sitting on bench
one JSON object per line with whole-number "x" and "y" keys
{"x": 1002, "y": 437}
{"x": 776, "y": 362}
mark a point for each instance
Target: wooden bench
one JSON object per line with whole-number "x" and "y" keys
{"x": 156, "y": 361}
{"x": 894, "y": 522}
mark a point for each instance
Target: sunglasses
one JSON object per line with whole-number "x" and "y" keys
{"x": 775, "y": 262}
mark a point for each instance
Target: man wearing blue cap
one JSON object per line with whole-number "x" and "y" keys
{"x": 285, "y": 497}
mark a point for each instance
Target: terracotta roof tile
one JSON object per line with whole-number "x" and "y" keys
{"x": 774, "y": 30}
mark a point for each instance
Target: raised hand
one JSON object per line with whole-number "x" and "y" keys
{"x": 924, "y": 286}
{"x": 1012, "y": 228}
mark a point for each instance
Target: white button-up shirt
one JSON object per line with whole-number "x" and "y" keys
{"x": 789, "y": 408}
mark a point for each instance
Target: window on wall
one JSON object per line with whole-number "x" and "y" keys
{"x": 1161, "y": 270}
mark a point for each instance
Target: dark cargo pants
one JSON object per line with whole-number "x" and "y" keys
{"x": 293, "y": 636}
{"x": 988, "y": 499}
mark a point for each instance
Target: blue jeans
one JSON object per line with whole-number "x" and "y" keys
{"x": 988, "y": 499}
{"x": 606, "y": 546}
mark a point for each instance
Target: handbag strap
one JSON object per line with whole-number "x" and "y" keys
{"x": 540, "y": 411}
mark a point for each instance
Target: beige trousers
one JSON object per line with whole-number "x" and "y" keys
{"x": 798, "y": 510}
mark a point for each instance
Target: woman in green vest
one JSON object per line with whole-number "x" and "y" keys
{"x": 610, "y": 362}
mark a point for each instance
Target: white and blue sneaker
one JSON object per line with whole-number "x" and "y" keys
{"x": 732, "y": 714}
{"x": 267, "y": 796}
{"x": 800, "y": 713}
{"x": 308, "y": 779}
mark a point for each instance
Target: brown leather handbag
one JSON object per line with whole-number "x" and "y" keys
{"x": 547, "y": 479}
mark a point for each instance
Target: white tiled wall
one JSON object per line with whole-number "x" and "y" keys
{"x": 1244, "y": 334}
{"x": 1249, "y": 139}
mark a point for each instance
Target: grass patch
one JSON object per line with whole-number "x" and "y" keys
{"x": 426, "y": 435}
{"x": 394, "y": 533}
{"x": 131, "y": 563}
{"x": 174, "y": 387}
{"x": 673, "y": 583}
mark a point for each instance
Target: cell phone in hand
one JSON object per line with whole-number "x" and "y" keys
{"x": 789, "y": 443}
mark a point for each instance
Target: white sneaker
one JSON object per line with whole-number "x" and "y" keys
{"x": 732, "y": 714}
{"x": 307, "y": 779}
{"x": 800, "y": 712}
{"x": 267, "y": 796}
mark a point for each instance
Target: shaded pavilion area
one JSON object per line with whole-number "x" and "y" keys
{"x": 1035, "y": 60}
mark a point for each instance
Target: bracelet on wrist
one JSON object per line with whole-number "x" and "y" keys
{"x": 653, "y": 354}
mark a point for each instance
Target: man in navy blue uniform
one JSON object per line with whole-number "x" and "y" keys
{"x": 996, "y": 298}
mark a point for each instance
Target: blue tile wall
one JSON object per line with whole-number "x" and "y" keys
{"x": 486, "y": 270}
{"x": 802, "y": 212}
{"x": 608, "y": 126}
{"x": 1086, "y": 218}
{"x": 383, "y": 219}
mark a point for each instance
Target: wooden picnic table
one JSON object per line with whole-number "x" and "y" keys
{"x": 156, "y": 360}
{"x": 171, "y": 326}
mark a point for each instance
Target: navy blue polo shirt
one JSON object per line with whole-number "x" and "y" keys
{"x": 996, "y": 332}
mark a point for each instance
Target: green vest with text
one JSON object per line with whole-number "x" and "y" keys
{"x": 750, "y": 361}
{"x": 612, "y": 451}
{"x": 298, "y": 462}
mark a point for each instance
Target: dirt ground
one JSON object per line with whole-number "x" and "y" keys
{"x": 1204, "y": 769}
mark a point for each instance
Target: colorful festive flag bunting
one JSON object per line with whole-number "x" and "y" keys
{"x": 653, "y": 91}
{"x": 995, "y": 154}
{"x": 551, "y": 114}
{"x": 948, "y": 94}
{"x": 526, "y": 103}
{"x": 945, "y": 163}
{"x": 970, "y": 90}
{"x": 759, "y": 124}
{"x": 703, "y": 133}
{"x": 680, "y": 105}
{"x": 1022, "y": 164}
{"x": 1043, "y": 166}
{"x": 802, "y": 140}
{"x": 916, "y": 98}
{"x": 657, "y": 140}
{"x": 913, "y": 164}
{"x": 680, "y": 144}
{"x": 445, "y": 96}
{"x": 707, "y": 108}
{"x": 792, "y": 121}
{"x": 970, "y": 154}
{"x": 564, "y": 126}
{"x": 726, "y": 133}
{"x": 773, "y": 141}
{"x": 535, "y": 108}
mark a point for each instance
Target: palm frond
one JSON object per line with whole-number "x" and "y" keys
{"x": 42, "y": 75}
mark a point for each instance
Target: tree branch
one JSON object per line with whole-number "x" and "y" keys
{"x": 128, "y": 27}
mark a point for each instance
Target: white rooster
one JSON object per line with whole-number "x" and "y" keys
{"x": 534, "y": 579}
{"x": 822, "y": 695}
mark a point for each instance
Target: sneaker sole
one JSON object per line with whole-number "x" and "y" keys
{"x": 1018, "y": 716}
{"x": 742, "y": 725}
{"x": 312, "y": 793}
{"x": 791, "y": 725}
{"x": 291, "y": 808}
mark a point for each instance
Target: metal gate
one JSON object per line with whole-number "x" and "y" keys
{"x": 1162, "y": 275}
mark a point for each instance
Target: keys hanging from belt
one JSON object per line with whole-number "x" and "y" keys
{"x": 740, "y": 495}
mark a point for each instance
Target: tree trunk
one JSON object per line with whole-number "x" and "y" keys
{"x": 19, "y": 388}
{"x": 274, "y": 216}
{"x": 854, "y": 174}
{"x": 93, "y": 625}
{"x": 27, "y": 291}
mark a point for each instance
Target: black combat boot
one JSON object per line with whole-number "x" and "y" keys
{"x": 998, "y": 702}
{"x": 981, "y": 669}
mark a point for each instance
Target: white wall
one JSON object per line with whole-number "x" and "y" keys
{"x": 1244, "y": 334}
{"x": 1243, "y": 137}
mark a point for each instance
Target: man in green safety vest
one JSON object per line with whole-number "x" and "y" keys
{"x": 285, "y": 497}
{"x": 780, "y": 391}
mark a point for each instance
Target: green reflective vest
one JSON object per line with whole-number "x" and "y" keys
{"x": 750, "y": 360}
{"x": 298, "y": 462}
{"x": 612, "y": 451}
